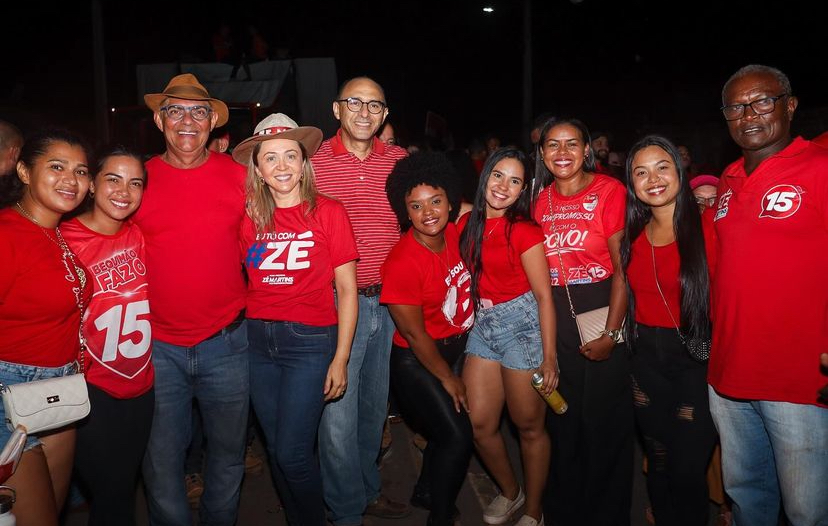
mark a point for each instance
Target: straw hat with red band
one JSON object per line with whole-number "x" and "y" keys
{"x": 278, "y": 126}
{"x": 187, "y": 87}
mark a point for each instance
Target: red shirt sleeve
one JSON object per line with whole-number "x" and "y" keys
{"x": 613, "y": 214}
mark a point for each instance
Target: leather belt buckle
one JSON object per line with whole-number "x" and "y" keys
{"x": 370, "y": 290}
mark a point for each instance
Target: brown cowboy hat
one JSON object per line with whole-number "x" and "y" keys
{"x": 278, "y": 126}
{"x": 187, "y": 87}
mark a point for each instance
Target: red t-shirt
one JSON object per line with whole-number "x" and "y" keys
{"x": 584, "y": 223}
{"x": 117, "y": 321}
{"x": 191, "y": 221}
{"x": 39, "y": 314}
{"x": 770, "y": 292}
{"x": 291, "y": 267}
{"x": 649, "y": 306}
{"x": 503, "y": 277}
{"x": 360, "y": 186}
{"x": 439, "y": 283}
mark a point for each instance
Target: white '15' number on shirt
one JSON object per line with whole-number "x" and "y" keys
{"x": 296, "y": 255}
{"x": 780, "y": 201}
{"x": 110, "y": 321}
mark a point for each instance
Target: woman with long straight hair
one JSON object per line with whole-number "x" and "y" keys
{"x": 514, "y": 333}
{"x": 299, "y": 250}
{"x": 44, "y": 292}
{"x": 582, "y": 216}
{"x": 665, "y": 257}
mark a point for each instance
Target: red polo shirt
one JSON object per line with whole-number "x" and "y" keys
{"x": 770, "y": 291}
{"x": 360, "y": 186}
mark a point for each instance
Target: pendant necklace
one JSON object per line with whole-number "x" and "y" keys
{"x": 444, "y": 262}
{"x": 496, "y": 222}
{"x": 66, "y": 253}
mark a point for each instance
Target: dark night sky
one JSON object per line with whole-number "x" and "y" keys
{"x": 626, "y": 66}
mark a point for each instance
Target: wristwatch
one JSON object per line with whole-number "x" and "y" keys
{"x": 614, "y": 334}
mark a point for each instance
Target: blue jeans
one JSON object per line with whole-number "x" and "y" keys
{"x": 509, "y": 333}
{"x": 773, "y": 449}
{"x": 351, "y": 428}
{"x": 215, "y": 373}
{"x": 288, "y": 366}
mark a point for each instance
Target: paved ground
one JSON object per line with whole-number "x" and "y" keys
{"x": 260, "y": 504}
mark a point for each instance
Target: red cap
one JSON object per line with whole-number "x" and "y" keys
{"x": 701, "y": 180}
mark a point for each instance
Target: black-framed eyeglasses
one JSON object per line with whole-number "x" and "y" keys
{"x": 176, "y": 112}
{"x": 355, "y": 105}
{"x": 759, "y": 107}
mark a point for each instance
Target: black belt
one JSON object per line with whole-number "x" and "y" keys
{"x": 370, "y": 290}
{"x": 232, "y": 326}
{"x": 451, "y": 339}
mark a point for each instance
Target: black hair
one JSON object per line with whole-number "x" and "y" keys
{"x": 471, "y": 240}
{"x": 431, "y": 168}
{"x": 543, "y": 177}
{"x": 34, "y": 147}
{"x": 117, "y": 150}
{"x": 693, "y": 272}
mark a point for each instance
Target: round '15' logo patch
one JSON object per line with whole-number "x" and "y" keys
{"x": 781, "y": 201}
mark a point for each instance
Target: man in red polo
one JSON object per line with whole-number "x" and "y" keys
{"x": 770, "y": 308}
{"x": 353, "y": 166}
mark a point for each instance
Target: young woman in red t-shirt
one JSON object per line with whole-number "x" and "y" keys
{"x": 665, "y": 261}
{"x": 513, "y": 335}
{"x": 119, "y": 372}
{"x": 426, "y": 288}
{"x": 43, "y": 291}
{"x": 582, "y": 216}
{"x": 298, "y": 249}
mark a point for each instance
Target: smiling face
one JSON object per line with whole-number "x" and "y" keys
{"x": 186, "y": 136}
{"x": 655, "y": 177}
{"x": 504, "y": 185}
{"x": 428, "y": 209}
{"x": 57, "y": 182}
{"x": 362, "y": 125}
{"x": 563, "y": 151}
{"x": 281, "y": 164}
{"x": 600, "y": 145}
{"x": 763, "y": 135}
{"x": 118, "y": 187}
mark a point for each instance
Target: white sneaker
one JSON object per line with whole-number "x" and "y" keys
{"x": 501, "y": 509}
{"x": 526, "y": 520}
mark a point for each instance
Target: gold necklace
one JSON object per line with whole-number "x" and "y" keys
{"x": 496, "y": 224}
{"x": 66, "y": 254}
{"x": 441, "y": 260}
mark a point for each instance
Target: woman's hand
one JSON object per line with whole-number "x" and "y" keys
{"x": 336, "y": 380}
{"x": 598, "y": 349}
{"x": 456, "y": 389}
{"x": 551, "y": 375}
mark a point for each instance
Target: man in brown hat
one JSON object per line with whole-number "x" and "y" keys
{"x": 190, "y": 217}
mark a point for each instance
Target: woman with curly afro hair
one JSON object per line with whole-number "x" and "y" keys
{"x": 426, "y": 288}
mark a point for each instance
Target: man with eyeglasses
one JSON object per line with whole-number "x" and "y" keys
{"x": 770, "y": 308}
{"x": 353, "y": 166}
{"x": 190, "y": 217}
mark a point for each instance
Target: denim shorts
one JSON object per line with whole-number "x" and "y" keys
{"x": 508, "y": 333}
{"x": 15, "y": 373}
